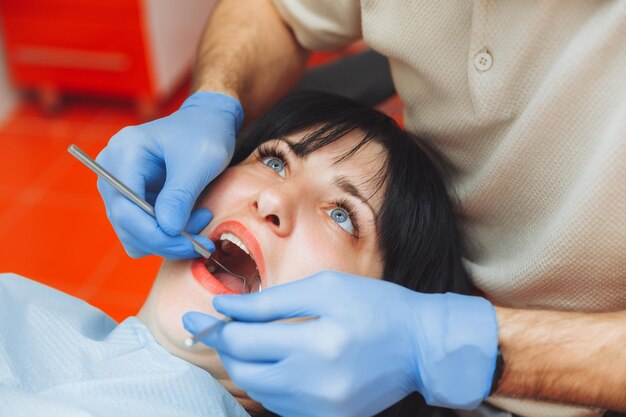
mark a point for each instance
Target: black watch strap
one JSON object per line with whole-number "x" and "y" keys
{"x": 497, "y": 373}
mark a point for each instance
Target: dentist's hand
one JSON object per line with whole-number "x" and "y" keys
{"x": 373, "y": 343}
{"x": 168, "y": 162}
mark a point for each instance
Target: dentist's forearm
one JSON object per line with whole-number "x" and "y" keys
{"x": 249, "y": 53}
{"x": 578, "y": 358}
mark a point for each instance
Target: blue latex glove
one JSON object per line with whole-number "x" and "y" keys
{"x": 168, "y": 162}
{"x": 373, "y": 343}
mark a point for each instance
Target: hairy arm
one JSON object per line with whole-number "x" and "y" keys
{"x": 569, "y": 357}
{"x": 249, "y": 53}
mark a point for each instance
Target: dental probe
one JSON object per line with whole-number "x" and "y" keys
{"x": 145, "y": 206}
{"x": 190, "y": 341}
{"x": 140, "y": 202}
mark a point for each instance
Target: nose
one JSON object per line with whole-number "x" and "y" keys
{"x": 275, "y": 206}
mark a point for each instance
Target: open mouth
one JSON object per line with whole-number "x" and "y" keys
{"x": 236, "y": 265}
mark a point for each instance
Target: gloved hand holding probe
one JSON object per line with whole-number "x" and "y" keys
{"x": 168, "y": 162}
{"x": 371, "y": 344}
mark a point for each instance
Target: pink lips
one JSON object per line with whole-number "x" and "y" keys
{"x": 208, "y": 280}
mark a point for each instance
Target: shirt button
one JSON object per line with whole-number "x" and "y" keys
{"x": 483, "y": 61}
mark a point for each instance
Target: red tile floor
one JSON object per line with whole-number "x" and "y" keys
{"x": 53, "y": 226}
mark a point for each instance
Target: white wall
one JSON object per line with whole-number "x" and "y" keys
{"x": 7, "y": 95}
{"x": 174, "y": 32}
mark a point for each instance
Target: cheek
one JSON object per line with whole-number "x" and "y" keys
{"x": 229, "y": 187}
{"x": 312, "y": 250}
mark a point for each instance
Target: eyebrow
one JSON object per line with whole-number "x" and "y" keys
{"x": 288, "y": 142}
{"x": 344, "y": 184}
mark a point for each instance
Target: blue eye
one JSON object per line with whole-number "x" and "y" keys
{"x": 342, "y": 218}
{"x": 275, "y": 164}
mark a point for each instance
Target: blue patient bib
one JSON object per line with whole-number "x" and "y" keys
{"x": 60, "y": 356}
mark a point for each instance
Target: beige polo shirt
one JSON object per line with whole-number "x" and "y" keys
{"x": 528, "y": 101}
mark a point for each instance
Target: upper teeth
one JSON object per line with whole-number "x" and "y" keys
{"x": 234, "y": 239}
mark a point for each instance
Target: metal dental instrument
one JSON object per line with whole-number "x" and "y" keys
{"x": 141, "y": 203}
{"x": 145, "y": 206}
{"x": 190, "y": 341}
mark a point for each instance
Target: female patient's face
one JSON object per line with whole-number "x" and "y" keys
{"x": 296, "y": 216}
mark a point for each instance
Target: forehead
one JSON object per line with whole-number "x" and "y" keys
{"x": 348, "y": 159}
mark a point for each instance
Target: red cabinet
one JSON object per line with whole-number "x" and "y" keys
{"x": 103, "y": 47}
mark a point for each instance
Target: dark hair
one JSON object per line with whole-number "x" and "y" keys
{"x": 418, "y": 235}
